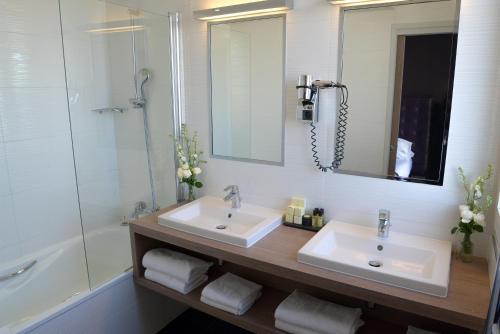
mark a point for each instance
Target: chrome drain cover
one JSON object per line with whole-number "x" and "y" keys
{"x": 376, "y": 264}
{"x": 221, "y": 227}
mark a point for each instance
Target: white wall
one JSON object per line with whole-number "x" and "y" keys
{"x": 312, "y": 34}
{"x": 369, "y": 54}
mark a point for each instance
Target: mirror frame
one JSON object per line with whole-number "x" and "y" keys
{"x": 340, "y": 65}
{"x": 280, "y": 163}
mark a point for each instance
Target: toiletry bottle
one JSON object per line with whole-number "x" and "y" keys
{"x": 315, "y": 217}
{"x": 321, "y": 217}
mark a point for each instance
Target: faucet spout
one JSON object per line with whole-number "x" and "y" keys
{"x": 384, "y": 223}
{"x": 233, "y": 196}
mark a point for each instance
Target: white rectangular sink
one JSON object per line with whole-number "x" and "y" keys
{"x": 406, "y": 261}
{"x": 212, "y": 218}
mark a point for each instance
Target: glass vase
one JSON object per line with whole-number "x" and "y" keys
{"x": 190, "y": 196}
{"x": 466, "y": 249}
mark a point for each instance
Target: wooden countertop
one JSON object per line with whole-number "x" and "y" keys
{"x": 466, "y": 305}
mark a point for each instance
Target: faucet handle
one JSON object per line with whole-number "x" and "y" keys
{"x": 233, "y": 189}
{"x": 384, "y": 214}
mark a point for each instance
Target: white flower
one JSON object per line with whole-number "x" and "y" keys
{"x": 180, "y": 173}
{"x": 478, "y": 194}
{"x": 463, "y": 208}
{"x": 187, "y": 173}
{"x": 479, "y": 218}
{"x": 466, "y": 216}
{"x": 195, "y": 156}
{"x": 185, "y": 166}
{"x": 197, "y": 170}
{"x": 183, "y": 159}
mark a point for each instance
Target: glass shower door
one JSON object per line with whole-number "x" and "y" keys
{"x": 119, "y": 84}
{"x": 42, "y": 260}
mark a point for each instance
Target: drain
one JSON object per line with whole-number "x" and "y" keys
{"x": 221, "y": 227}
{"x": 376, "y": 264}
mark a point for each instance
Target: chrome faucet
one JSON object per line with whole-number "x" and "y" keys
{"x": 233, "y": 196}
{"x": 384, "y": 223}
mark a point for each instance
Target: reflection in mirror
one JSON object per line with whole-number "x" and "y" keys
{"x": 247, "y": 81}
{"x": 398, "y": 62}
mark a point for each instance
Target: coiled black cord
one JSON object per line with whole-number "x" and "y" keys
{"x": 340, "y": 136}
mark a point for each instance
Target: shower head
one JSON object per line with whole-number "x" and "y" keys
{"x": 145, "y": 74}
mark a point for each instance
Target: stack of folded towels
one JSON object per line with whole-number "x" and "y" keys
{"x": 231, "y": 293}
{"x": 303, "y": 314}
{"x": 175, "y": 270}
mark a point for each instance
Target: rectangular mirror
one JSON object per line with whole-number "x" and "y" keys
{"x": 398, "y": 62}
{"x": 247, "y": 89}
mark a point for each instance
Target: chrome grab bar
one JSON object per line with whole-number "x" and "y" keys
{"x": 113, "y": 109}
{"x": 19, "y": 272}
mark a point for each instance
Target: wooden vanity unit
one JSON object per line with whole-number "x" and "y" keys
{"x": 272, "y": 262}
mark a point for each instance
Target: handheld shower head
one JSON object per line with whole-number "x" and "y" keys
{"x": 145, "y": 74}
{"x": 140, "y": 101}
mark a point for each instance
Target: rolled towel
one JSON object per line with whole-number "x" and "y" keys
{"x": 236, "y": 311}
{"x": 415, "y": 330}
{"x": 293, "y": 329}
{"x": 181, "y": 266}
{"x": 232, "y": 292}
{"x": 307, "y": 312}
{"x": 174, "y": 283}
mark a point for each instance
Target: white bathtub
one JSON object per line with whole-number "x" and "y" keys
{"x": 59, "y": 278}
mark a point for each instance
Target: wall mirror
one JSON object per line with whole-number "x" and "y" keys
{"x": 247, "y": 89}
{"x": 398, "y": 62}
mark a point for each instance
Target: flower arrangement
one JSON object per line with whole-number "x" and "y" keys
{"x": 188, "y": 155}
{"x": 472, "y": 214}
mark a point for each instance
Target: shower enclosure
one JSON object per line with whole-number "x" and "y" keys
{"x": 86, "y": 109}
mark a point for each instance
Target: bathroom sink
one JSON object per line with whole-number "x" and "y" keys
{"x": 402, "y": 260}
{"x": 213, "y": 218}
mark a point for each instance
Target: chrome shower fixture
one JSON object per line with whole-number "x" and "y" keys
{"x": 140, "y": 100}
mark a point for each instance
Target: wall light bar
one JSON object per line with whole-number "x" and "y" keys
{"x": 250, "y": 9}
{"x": 116, "y": 29}
{"x": 376, "y": 2}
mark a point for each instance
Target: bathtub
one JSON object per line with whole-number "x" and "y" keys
{"x": 60, "y": 277}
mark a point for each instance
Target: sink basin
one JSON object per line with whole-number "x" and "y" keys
{"x": 402, "y": 260}
{"x": 212, "y": 218}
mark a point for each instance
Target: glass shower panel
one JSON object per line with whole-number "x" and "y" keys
{"x": 42, "y": 259}
{"x": 117, "y": 63}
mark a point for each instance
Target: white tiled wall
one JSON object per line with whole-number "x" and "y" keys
{"x": 312, "y": 34}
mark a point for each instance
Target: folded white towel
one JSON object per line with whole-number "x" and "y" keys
{"x": 285, "y": 326}
{"x": 237, "y": 311}
{"x": 415, "y": 330}
{"x": 175, "y": 264}
{"x": 174, "y": 283}
{"x": 319, "y": 316}
{"x": 232, "y": 291}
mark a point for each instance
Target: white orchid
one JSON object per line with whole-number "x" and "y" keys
{"x": 180, "y": 173}
{"x": 187, "y": 173}
{"x": 480, "y": 219}
{"x": 466, "y": 216}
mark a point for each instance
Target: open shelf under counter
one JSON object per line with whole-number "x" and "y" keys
{"x": 274, "y": 259}
{"x": 260, "y": 318}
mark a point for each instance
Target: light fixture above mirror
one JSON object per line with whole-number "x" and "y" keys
{"x": 375, "y": 2}
{"x": 250, "y": 9}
